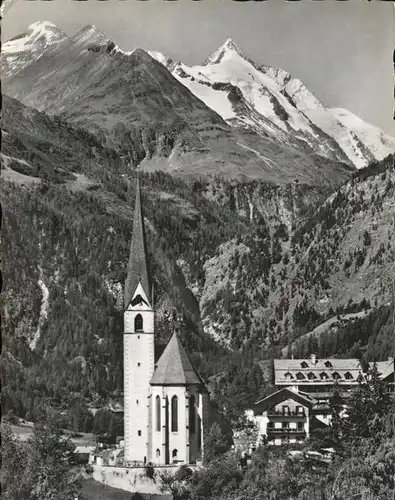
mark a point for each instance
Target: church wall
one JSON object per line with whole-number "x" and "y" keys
{"x": 194, "y": 447}
{"x": 178, "y": 440}
{"x": 204, "y": 414}
{"x": 158, "y": 438}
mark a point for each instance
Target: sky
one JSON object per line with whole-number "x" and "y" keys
{"x": 342, "y": 51}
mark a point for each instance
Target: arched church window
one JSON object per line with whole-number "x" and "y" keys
{"x": 138, "y": 323}
{"x": 192, "y": 426}
{"x": 157, "y": 408}
{"x": 157, "y": 452}
{"x": 174, "y": 414}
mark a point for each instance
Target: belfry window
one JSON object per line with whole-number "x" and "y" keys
{"x": 157, "y": 408}
{"x": 174, "y": 414}
{"x": 138, "y": 323}
{"x": 192, "y": 422}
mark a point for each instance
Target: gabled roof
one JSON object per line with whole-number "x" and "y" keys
{"x": 174, "y": 366}
{"x": 137, "y": 270}
{"x": 284, "y": 367}
{"x": 384, "y": 368}
{"x": 282, "y": 395}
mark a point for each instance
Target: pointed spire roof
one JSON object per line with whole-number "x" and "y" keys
{"x": 174, "y": 366}
{"x": 137, "y": 271}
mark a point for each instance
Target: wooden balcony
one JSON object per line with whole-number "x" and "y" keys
{"x": 291, "y": 415}
{"x": 286, "y": 433}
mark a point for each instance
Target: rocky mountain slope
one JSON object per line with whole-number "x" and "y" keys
{"x": 244, "y": 269}
{"x": 134, "y": 104}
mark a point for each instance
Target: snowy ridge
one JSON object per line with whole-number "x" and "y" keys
{"x": 271, "y": 101}
{"x": 159, "y": 57}
{"x": 379, "y": 144}
{"x": 39, "y": 36}
{"x": 24, "y": 49}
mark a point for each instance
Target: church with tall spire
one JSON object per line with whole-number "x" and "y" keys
{"x": 165, "y": 399}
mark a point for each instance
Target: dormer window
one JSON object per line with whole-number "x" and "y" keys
{"x": 138, "y": 323}
{"x": 288, "y": 376}
{"x": 323, "y": 376}
{"x": 300, "y": 376}
{"x": 311, "y": 376}
{"x": 335, "y": 375}
{"x": 303, "y": 364}
{"x": 328, "y": 364}
{"x": 348, "y": 376}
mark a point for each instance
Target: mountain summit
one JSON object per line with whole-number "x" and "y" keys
{"x": 273, "y": 103}
{"x": 227, "y": 48}
{"x": 27, "y": 47}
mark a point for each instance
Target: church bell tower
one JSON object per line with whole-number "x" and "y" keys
{"x": 138, "y": 343}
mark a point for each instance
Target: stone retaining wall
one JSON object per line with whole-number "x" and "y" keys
{"x": 131, "y": 479}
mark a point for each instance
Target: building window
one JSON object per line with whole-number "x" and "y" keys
{"x": 299, "y": 410}
{"x": 285, "y": 410}
{"x": 311, "y": 376}
{"x": 300, "y": 426}
{"x": 304, "y": 364}
{"x": 288, "y": 376}
{"x": 300, "y": 376}
{"x": 192, "y": 422}
{"x": 174, "y": 414}
{"x": 157, "y": 452}
{"x": 158, "y": 413}
{"x": 335, "y": 375}
{"x": 285, "y": 425}
{"x": 138, "y": 323}
{"x": 328, "y": 364}
{"x": 139, "y": 433}
{"x": 348, "y": 376}
{"x": 323, "y": 376}
{"x": 137, "y": 401}
{"x": 174, "y": 454}
{"x": 139, "y": 364}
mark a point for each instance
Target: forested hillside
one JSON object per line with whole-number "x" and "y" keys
{"x": 243, "y": 270}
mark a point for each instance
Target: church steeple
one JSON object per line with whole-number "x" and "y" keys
{"x": 137, "y": 271}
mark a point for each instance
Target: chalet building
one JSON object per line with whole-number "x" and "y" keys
{"x": 317, "y": 377}
{"x": 165, "y": 399}
{"x": 301, "y": 402}
{"x": 385, "y": 371}
{"x": 285, "y": 416}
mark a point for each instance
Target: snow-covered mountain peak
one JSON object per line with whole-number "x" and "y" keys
{"x": 273, "y": 103}
{"x": 38, "y": 36}
{"x": 228, "y": 49}
{"x": 22, "y": 50}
